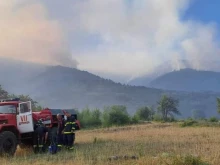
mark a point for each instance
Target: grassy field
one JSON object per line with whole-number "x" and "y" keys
{"x": 153, "y": 144}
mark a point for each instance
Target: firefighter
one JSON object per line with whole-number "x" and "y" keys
{"x": 74, "y": 125}
{"x": 68, "y": 131}
{"x": 54, "y": 140}
{"x": 40, "y": 136}
{"x": 59, "y": 131}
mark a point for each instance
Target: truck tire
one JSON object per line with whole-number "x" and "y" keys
{"x": 8, "y": 143}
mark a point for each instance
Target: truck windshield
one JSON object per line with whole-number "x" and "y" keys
{"x": 7, "y": 109}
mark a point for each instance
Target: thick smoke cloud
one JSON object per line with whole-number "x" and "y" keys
{"x": 109, "y": 37}
{"x": 28, "y": 34}
{"x": 137, "y": 36}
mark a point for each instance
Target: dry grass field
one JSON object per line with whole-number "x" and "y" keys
{"x": 152, "y": 144}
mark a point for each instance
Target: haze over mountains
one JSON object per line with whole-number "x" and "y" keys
{"x": 188, "y": 80}
{"x": 63, "y": 87}
{"x": 161, "y": 76}
{"x": 160, "y": 70}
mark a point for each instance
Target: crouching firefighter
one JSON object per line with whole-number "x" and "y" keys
{"x": 69, "y": 131}
{"x": 40, "y": 136}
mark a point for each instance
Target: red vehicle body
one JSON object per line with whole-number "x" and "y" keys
{"x": 17, "y": 123}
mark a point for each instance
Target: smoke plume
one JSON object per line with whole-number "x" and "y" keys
{"x": 115, "y": 37}
{"x": 136, "y": 36}
{"x": 28, "y": 34}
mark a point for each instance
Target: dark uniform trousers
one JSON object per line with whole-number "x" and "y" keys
{"x": 69, "y": 134}
{"x": 60, "y": 137}
{"x": 39, "y": 137}
{"x": 59, "y": 140}
{"x": 68, "y": 138}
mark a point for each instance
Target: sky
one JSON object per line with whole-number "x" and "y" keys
{"x": 124, "y": 38}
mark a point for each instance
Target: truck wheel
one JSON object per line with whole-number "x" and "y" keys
{"x": 8, "y": 143}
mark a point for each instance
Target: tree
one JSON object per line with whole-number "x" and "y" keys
{"x": 35, "y": 105}
{"x": 90, "y": 118}
{"x": 218, "y": 105}
{"x": 96, "y": 116}
{"x": 144, "y": 113}
{"x": 115, "y": 115}
{"x": 3, "y": 93}
{"x": 167, "y": 106}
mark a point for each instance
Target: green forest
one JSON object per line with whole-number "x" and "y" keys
{"x": 117, "y": 115}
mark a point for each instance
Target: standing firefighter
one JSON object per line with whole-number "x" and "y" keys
{"x": 74, "y": 125}
{"x": 53, "y": 141}
{"x": 68, "y": 131}
{"x": 60, "y": 128}
{"x": 40, "y": 136}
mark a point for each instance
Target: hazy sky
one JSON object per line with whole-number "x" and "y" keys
{"x": 118, "y": 37}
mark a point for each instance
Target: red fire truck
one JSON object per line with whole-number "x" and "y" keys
{"x": 17, "y": 123}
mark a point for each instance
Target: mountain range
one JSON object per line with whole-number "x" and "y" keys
{"x": 188, "y": 80}
{"x": 64, "y": 87}
{"x": 178, "y": 68}
{"x": 158, "y": 71}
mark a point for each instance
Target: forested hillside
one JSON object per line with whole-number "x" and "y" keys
{"x": 62, "y": 87}
{"x": 160, "y": 70}
{"x": 188, "y": 80}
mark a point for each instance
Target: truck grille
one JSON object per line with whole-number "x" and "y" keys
{"x": 3, "y": 121}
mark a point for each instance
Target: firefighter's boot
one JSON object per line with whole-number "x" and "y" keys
{"x": 59, "y": 147}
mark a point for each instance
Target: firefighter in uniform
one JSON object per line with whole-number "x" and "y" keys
{"x": 74, "y": 125}
{"x": 40, "y": 136}
{"x": 60, "y": 128}
{"x": 53, "y": 140}
{"x": 68, "y": 131}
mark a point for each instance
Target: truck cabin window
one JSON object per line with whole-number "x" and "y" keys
{"x": 7, "y": 109}
{"x": 24, "y": 108}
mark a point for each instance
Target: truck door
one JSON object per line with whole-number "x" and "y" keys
{"x": 24, "y": 117}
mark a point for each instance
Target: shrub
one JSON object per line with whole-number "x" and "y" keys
{"x": 134, "y": 120}
{"x": 188, "y": 123}
{"x": 171, "y": 119}
{"x": 144, "y": 113}
{"x": 115, "y": 115}
{"x": 90, "y": 118}
{"x": 213, "y": 119}
{"x": 157, "y": 117}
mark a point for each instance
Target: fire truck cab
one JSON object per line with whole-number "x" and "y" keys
{"x": 17, "y": 123}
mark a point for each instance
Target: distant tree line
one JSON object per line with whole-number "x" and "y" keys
{"x": 117, "y": 115}
{"x": 5, "y": 95}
